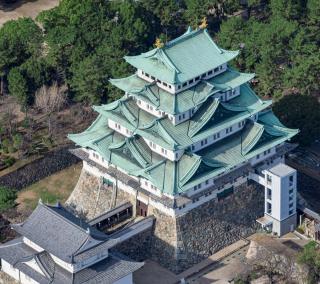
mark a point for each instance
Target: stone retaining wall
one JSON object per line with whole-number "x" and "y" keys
{"x": 51, "y": 163}
{"x": 178, "y": 243}
{"x": 89, "y": 201}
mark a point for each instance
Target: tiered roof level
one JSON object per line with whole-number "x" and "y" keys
{"x": 185, "y": 119}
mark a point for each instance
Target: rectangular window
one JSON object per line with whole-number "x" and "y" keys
{"x": 291, "y": 191}
{"x": 291, "y": 205}
{"x": 147, "y": 75}
{"x": 230, "y": 129}
{"x": 269, "y": 179}
{"x": 258, "y": 156}
{"x": 179, "y": 87}
{"x": 169, "y": 86}
{"x": 269, "y": 193}
{"x": 203, "y": 75}
{"x": 227, "y": 130}
{"x": 218, "y": 135}
{"x": 192, "y": 147}
{"x": 146, "y": 183}
{"x": 184, "y": 84}
{"x": 153, "y": 78}
{"x": 165, "y": 84}
{"x": 239, "y": 124}
{"x": 195, "y": 188}
{"x": 210, "y": 72}
{"x": 139, "y": 102}
{"x": 191, "y": 81}
{"x": 205, "y": 141}
{"x": 151, "y": 108}
{"x": 197, "y": 78}
{"x": 269, "y": 208}
{"x": 291, "y": 178}
{"x": 216, "y": 69}
{"x": 183, "y": 116}
{"x": 290, "y": 212}
{"x": 207, "y": 182}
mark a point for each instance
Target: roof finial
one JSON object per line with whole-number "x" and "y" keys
{"x": 204, "y": 23}
{"x": 159, "y": 43}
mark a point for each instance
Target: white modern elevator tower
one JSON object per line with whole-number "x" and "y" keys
{"x": 280, "y": 198}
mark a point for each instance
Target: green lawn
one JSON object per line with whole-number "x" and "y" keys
{"x": 56, "y": 187}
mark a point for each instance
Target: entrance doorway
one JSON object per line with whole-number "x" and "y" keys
{"x": 142, "y": 208}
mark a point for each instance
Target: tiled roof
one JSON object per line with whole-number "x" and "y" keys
{"x": 174, "y": 177}
{"x": 185, "y": 100}
{"x": 107, "y": 271}
{"x": 183, "y": 58}
{"x": 59, "y": 232}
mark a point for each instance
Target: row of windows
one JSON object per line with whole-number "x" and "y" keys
{"x": 264, "y": 153}
{"x": 196, "y": 187}
{"x": 229, "y": 129}
{"x": 205, "y": 141}
{"x": 196, "y": 79}
{"x": 158, "y": 81}
{"x": 151, "y": 185}
{"x": 242, "y": 123}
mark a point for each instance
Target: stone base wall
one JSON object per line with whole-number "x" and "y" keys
{"x": 207, "y": 229}
{"x": 178, "y": 243}
{"x": 88, "y": 201}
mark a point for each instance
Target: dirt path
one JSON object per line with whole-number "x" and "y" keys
{"x": 24, "y": 8}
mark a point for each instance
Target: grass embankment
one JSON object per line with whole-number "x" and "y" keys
{"x": 56, "y": 187}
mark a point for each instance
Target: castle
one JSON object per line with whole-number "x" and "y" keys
{"x": 191, "y": 144}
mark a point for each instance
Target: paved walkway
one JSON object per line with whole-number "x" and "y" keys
{"x": 24, "y": 8}
{"x": 153, "y": 273}
{"x": 213, "y": 259}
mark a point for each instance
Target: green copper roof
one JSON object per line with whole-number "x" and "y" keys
{"x": 134, "y": 156}
{"x": 211, "y": 117}
{"x": 183, "y": 58}
{"x": 185, "y": 100}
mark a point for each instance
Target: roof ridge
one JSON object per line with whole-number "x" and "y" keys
{"x": 189, "y": 33}
{"x": 50, "y": 208}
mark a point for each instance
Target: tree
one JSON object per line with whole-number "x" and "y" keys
{"x": 19, "y": 40}
{"x": 310, "y": 256}
{"x": 49, "y": 100}
{"x": 18, "y": 87}
{"x": 302, "y": 112}
{"x": 7, "y": 198}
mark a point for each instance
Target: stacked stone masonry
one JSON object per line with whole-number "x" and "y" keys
{"x": 178, "y": 243}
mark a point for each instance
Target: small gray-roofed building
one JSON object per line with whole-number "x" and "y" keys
{"x": 57, "y": 247}
{"x": 109, "y": 270}
{"x": 62, "y": 234}
{"x": 281, "y": 170}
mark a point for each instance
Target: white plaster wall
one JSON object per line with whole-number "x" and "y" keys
{"x": 32, "y": 244}
{"x": 146, "y": 184}
{"x": 26, "y": 279}
{"x": 125, "y": 280}
{"x": 123, "y": 130}
{"x": 222, "y": 134}
{"x": 262, "y": 156}
{"x": 10, "y": 270}
{"x": 171, "y": 155}
{"x": 34, "y": 265}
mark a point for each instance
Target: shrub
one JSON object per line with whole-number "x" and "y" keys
{"x": 7, "y": 198}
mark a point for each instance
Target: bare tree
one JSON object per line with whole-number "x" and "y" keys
{"x": 49, "y": 100}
